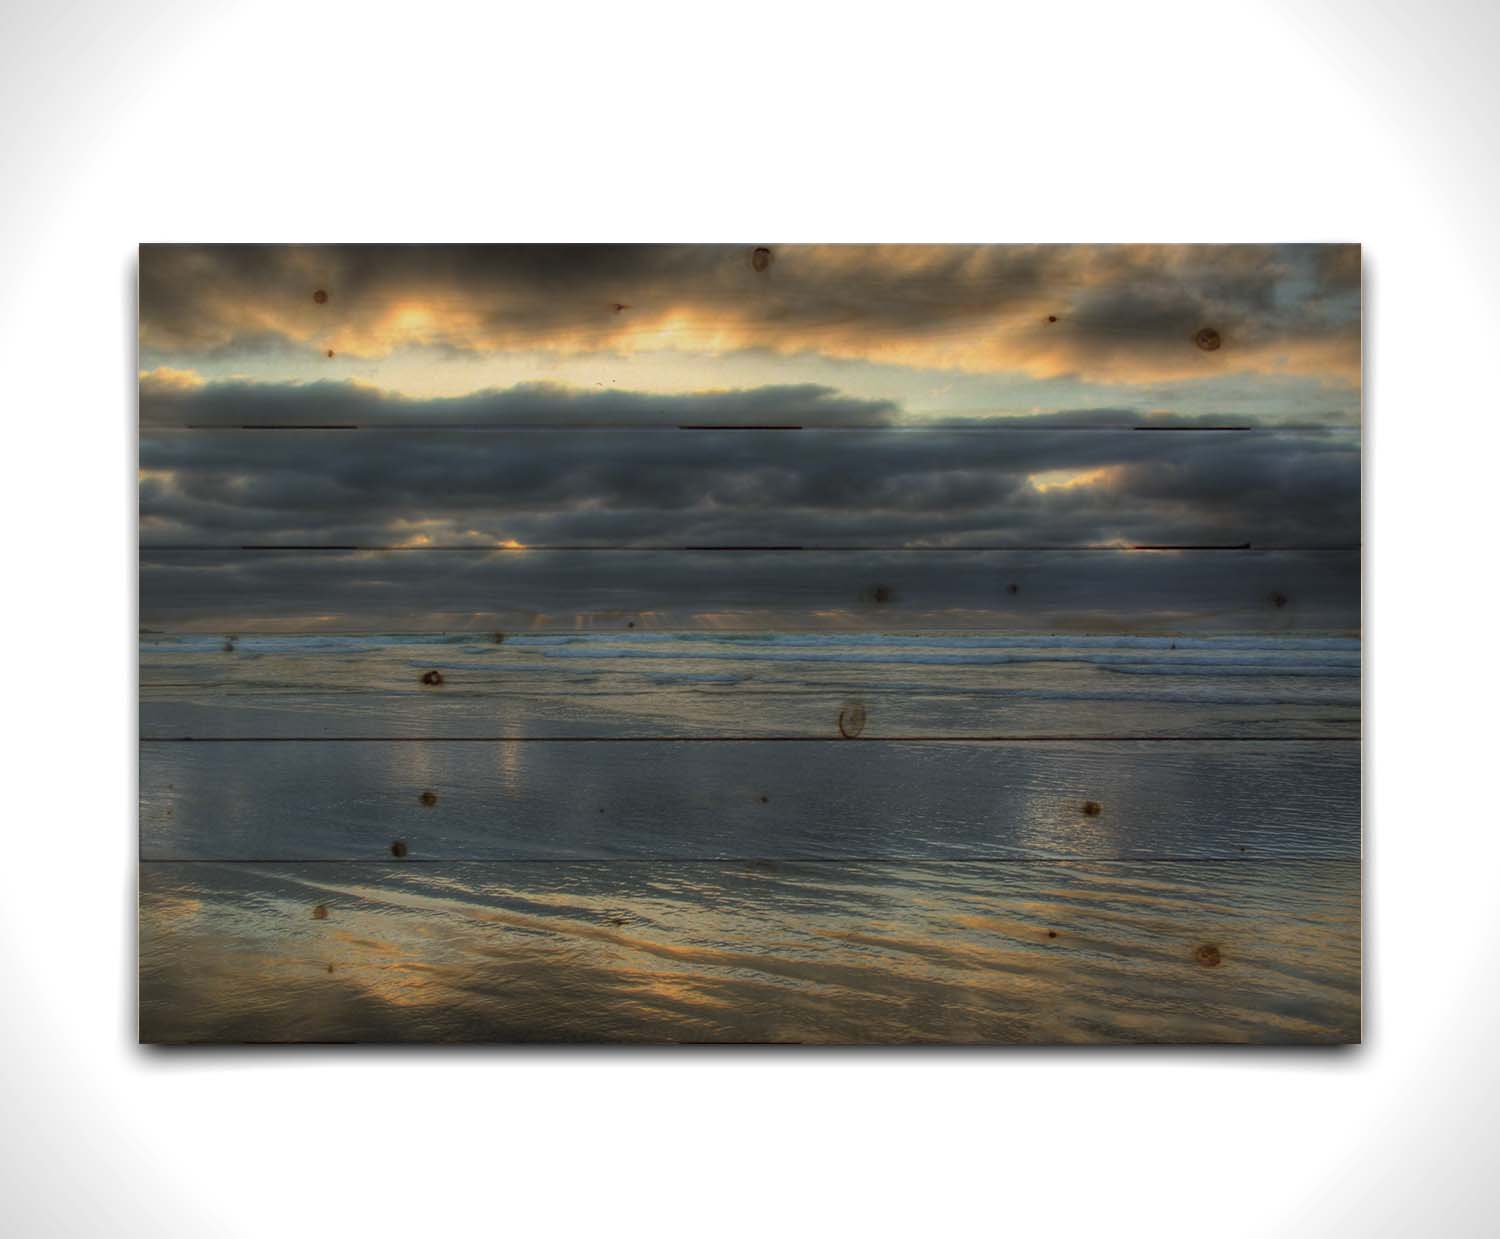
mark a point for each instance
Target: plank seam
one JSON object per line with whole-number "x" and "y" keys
{"x": 757, "y": 860}
{"x": 178, "y": 548}
{"x": 1052, "y": 739}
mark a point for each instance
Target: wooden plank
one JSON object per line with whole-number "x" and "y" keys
{"x": 785, "y": 648}
{"x": 606, "y": 319}
{"x": 1037, "y": 485}
{"x": 569, "y": 800}
{"x": 1039, "y": 592}
{"x": 1193, "y": 952}
{"x": 641, "y": 684}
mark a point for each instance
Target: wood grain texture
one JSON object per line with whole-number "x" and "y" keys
{"x": 1147, "y": 316}
{"x": 1028, "y": 485}
{"x": 642, "y": 686}
{"x": 290, "y": 712}
{"x": 822, "y": 953}
{"x": 561, "y": 800}
{"x": 820, "y": 644}
{"x": 1100, "y": 591}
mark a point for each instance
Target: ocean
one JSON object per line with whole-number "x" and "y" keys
{"x": 706, "y": 836}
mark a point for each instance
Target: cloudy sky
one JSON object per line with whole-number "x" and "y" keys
{"x": 930, "y": 421}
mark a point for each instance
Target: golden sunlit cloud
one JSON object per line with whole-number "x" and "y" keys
{"x": 1069, "y": 479}
{"x": 1098, "y": 313}
{"x": 404, "y": 533}
{"x": 169, "y": 379}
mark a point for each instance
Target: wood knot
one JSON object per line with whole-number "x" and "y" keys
{"x": 432, "y": 677}
{"x": 1092, "y": 808}
{"x": 320, "y": 913}
{"x": 852, "y": 720}
{"x": 1052, "y": 933}
{"x": 1208, "y": 955}
{"x": 1278, "y": 599}
{"x": 760, "y": 258}
{"x": 1207, "y": 339}
{"x": 617, "y": 306}
{"x": 879, "y": 594}
{"x": 763, "y": 798}
{"x": 498, "y": 637}
{"x": 428, "y": 798}
{"x": 398, "y": 848}
{"x": 229, "y": 647}
{"x": 1012, "y": 588}
{"x": 1052, "y": 318}
{"x": 330, "y": 352}
{"x": 321, "y": 296}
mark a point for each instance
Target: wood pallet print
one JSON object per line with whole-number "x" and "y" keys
{"x": 750, "y": 643}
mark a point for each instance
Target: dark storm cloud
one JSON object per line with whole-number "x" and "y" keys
{"x": 168, "y": 401}
{"x": 1122, "y": 313}
{"x": 1001, "y": 591}
{"x": 1026, "y": 482}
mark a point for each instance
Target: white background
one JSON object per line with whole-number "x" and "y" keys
{"x": 774, "y": 122}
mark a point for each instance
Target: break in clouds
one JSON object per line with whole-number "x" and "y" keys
{"x": 1116, "y": 313}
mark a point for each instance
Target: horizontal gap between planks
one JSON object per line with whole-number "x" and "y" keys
{"x": 178, "y": 548}
{"x": 948, "y": 428}
{"x": 999, "y": 739}
{"x": 763, "y": 860}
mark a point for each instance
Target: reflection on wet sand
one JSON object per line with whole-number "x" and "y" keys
{"x": 769, "y": 951}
